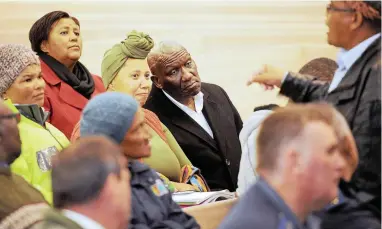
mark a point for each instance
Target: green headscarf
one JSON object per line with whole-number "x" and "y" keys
{"x": 137, "y": 45}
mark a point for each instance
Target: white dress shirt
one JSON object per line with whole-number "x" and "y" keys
{"x": 197, "y": 115}
{"x": 84, "y": 221}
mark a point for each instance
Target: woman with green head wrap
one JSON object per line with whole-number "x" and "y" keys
{"x": 125, "y": 69}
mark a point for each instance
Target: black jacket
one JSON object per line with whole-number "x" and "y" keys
{"x": 355, "y": 211}
{"x": 358, "y": 98}
{"x": 218, "y": 158}
{"x": 151, "y": 203}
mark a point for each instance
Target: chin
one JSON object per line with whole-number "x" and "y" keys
{"x": 40, "y": 103}
{"x": 196, "y": 91}
{"x": 75, "y": 56}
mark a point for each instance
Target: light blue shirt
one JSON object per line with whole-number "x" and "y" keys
{"x": 346, "y": 58}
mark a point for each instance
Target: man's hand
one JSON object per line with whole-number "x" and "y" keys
{"x": 268, "y": 76}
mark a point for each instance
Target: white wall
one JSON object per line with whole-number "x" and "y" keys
{"x": 227, "y": 39}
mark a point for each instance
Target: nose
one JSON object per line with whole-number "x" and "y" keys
{"x": 40, "y": 83}
{"x": 327, "y": 18}
{"x": 73, "y": 36}
{"x": 146, "y": 133}
{"x": 145, "y": 83}
{"x": 340, "y": 161}
{"x": 186, "y": 74}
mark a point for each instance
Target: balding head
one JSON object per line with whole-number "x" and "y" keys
{"x": 174, "y": 70}
{"x": 10, "y": 144}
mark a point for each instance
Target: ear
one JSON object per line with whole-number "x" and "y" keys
{"x": 44, "y": 46}
{"x": 294, "y": 160}
{"x": 157, "y": 81}
{"x": 108, "y": 188}
{"x": 4, "y": 96}
{"x": 357, "y": 21}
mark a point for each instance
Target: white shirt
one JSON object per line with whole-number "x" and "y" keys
{"x": 346, "y": 58}
{"x": 197, "y": 115}
{"x": 84, "y": 221}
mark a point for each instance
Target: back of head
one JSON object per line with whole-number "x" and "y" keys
{"x": 320, "y": 69}
{"x": 109, "y": 114}
{"x": 14, "y": 58}
{"x": 79, "y": 172}
{"x": 137, "y": 45}
{"x": 370, "y": 11}
{"x": 284, "y": 126}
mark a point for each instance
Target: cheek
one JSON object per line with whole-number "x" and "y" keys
{"x": 21, "y": 94}
{"x": 126, "y": 86}
{"x": 132, "y": 87}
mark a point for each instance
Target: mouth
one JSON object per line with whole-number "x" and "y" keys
{"x": 75, "y": 47}
{"x": 39, "y": 96}
{"x": 191, "y": 85}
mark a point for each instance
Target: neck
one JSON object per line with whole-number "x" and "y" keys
{"x": 187, "y": 101}
{"x": 94, "y": 213}
{"x": 358, "y": 38}
{"x": 291, "y": 197}
{"x": 70, "y": 66}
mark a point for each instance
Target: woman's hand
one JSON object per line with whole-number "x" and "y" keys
{"x": 268, "y": 76}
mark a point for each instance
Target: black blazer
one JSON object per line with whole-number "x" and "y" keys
{"x": 218, "y": 158}
{"x": 358, "y": 98}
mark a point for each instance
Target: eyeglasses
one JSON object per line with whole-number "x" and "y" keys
{"x": 333, "y": 8}
{"x": 16, "y": 116}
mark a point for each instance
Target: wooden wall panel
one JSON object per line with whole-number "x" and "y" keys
{"x": 228, "y": 39}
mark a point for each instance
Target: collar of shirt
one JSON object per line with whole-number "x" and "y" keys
{"x": 84, "y": 221}
{"x": 346, "y": 58}
{"x": 198, "y": 99}
{"x": 288, "y": 215}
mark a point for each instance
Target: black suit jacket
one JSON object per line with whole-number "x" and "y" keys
{"x": 218, "y": 158}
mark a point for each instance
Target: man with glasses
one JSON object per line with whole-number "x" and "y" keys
{"x": 355, "y": 28}
{"x": 20, "y": 204}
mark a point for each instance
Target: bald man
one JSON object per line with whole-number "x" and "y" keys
{"x": 201, "y": 116}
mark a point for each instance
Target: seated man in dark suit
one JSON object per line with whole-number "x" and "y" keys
{"x": 201, "y": 116}
{"x": 298, "y": 174}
